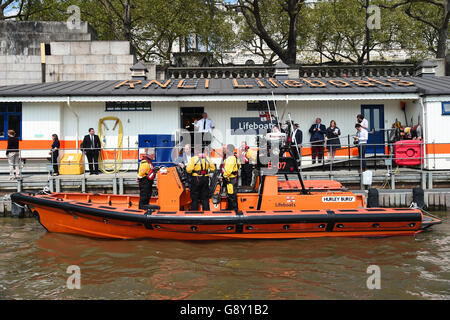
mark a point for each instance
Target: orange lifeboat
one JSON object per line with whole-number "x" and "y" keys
{"x": 272, "y": 210}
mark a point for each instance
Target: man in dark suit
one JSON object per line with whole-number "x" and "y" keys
{"x": 318, "y": 132}
{"x": 296, "y": 139}
{"x": 91, "y": 146}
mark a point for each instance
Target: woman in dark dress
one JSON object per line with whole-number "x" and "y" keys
{"x": 333, "y": 142}
{"x": 54, "y": 152}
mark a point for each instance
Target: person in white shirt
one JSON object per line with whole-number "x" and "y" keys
{"x": 205, "y": 126}
{"x": 363, "y": 122}
{"x": 361, "y": 140}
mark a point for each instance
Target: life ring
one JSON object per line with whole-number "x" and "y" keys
{"x": 117, "y": 161}
{"x": 411, "y": 153}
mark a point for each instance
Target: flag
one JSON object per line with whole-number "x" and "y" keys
{"x": 265, "y": 116}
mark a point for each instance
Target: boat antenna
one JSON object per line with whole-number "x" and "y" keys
{"x": 275, "y": 106}
{"x": 284, "y": 109}
{"x": 270, "y": 114}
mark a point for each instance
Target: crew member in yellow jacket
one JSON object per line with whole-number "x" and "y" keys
{"x": 199, "y": 167}
{"x": 230, "y": 175}
{"x": 247, "y": 157}
{"x": 146, "y": 177}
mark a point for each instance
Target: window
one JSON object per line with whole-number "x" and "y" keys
{"x": 128, "y": 106}
{"x": 10, "y": 119}
{"x": 260, "y": 106}
{"x": 446, "y": 108}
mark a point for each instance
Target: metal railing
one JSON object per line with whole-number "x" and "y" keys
{"x": 347, "y": 157}
{"x": 117, "y": 179}
{"x": 262, "y": 71}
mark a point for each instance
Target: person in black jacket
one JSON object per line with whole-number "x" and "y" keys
{"x": 318, "y": 132}
{"x": 12, "y": 152}
{"x": 296, "y": 140}
{"x": 91, "y": 146}
{"x": 54, "y": 152}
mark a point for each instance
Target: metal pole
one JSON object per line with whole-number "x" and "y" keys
{"x": 349, "y": 156}
{"x": 275, "y": 106}
{"x": 367, "y": 31}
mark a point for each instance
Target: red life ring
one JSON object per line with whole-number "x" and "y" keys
{"x": 411, "y": 153}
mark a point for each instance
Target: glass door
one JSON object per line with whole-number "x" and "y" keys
{"x": 375, "y": 117}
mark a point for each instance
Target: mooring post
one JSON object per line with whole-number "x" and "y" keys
{"x": 114, "y": 185}
{"x": 58, "y": 185}
{"x": 83, "y": 184}
{"x": 361, "y": 182}
{"x": 392, "y": 180}
{"x": 121, "y": 185}
{"x": 423, "y": 180}
{"x": 430, "y": 180}
{"x": 19, "y": 185}
{"x": 50, "y": 184}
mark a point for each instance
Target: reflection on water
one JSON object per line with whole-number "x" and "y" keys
{"x": 33, "y": 265}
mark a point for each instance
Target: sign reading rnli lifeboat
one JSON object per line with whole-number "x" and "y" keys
{"x": 270, "y": 83}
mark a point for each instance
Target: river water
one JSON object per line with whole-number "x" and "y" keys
{"x": 34, "y": 264}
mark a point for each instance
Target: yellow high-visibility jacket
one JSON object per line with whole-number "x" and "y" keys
{"x": 200, "y": 166}
{"x": 250, "y": 155}
{"x": 146, "y": 170}
{"x": 231, "y": 168}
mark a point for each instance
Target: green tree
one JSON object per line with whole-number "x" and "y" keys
{"x": 431, "y": 18}
{"x": 151, "y": 26}
{"x": 274, "y": 22}
{"x": 339, "y": 30}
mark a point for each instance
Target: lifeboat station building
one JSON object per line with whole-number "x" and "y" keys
{"x": 161, "y": 107}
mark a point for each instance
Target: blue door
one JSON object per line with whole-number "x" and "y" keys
{"x": 375, "y": 117}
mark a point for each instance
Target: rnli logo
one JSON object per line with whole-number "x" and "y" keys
{"x": 338, "y": 199}
{"x": 284, "y": 205}
{"x": 290, "y": 203}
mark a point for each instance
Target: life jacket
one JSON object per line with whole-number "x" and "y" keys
{"x": 202, "y": 171}
{"x": 151, "y": 175}
{"x": 244, "y": 156}
{"x": 236, "y": 166}
{"x": 222, "y": 165}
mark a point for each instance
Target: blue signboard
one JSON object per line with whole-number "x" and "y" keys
{"x": 241, "y": 126}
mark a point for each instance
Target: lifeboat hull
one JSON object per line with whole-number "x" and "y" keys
{"x": 99, "y": 220}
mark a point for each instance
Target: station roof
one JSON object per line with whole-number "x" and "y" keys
{"x": 253, "y": 87}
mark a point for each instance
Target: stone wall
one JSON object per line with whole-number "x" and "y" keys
{"x": 71, "y": 54}
{"x": 89, "y": 60}
{"x": 24, "y": 38}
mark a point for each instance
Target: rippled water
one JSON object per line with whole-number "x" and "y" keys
{"x": 33, "y": 265}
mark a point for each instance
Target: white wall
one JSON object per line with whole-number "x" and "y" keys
{"x": 437, "y": 132}
{"x": 303, "y": 112}
{"x": 163, "y": 119}
{"x": 39, "y": 122}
